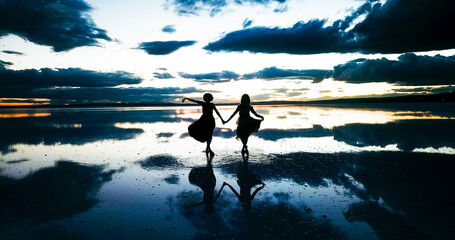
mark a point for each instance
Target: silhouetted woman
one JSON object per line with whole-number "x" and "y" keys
{"x": 204, "y": 178}
{"x": 246, "y": 180}
{"x": 246, "y": 124}
{"x": 202, "y": 129}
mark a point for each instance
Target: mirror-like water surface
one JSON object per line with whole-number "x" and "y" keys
{"x": 131, "y": 173}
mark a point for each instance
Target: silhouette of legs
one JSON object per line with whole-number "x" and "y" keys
{"x": 245, "y": 147}
{"x": 209, "y": 159}
{"x": 208, "y": 150}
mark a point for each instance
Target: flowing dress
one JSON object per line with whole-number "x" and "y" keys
{"x": 246, "y": 124}
{"x": 204, "y": 178}
{"x": 202, "y": 129}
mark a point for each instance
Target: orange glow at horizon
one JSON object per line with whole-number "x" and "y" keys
{"x": 20, "y": 103}
{"x": 21, "y": 115}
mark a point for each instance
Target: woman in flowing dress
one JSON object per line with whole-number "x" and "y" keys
{"x": 202, "y": 129}
{"x": 245, "y": 123}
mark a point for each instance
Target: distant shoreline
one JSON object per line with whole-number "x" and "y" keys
{"x": 348, "y": 102}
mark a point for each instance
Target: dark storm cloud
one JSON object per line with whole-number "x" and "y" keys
{"x": 163, "y": 75}
{"x": 3, "y": 64}
{"x": 74, "y": 85}
{"x": 213, "y": 7}
{"x": 163, "y": 48}
{"x": 404, "y": 26}
{"x": 247, "y": 22}
{"x": 110, "y": 95}
{"x": 396, "y": 26}
{"x": 303, "y": 38}
{"x": 168, "y": 29}
{"x": 60, "y": 24}
{"x": 409, "y": 69}
{"x": 12, "y": 52}
{"x": 17, "y": 81}
{"x": 272, "y": 73}
{"x": 345, "y": 23}
{"x": 223, "y": 76}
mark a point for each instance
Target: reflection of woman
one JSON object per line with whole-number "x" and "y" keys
{"x": 246, "y": 180}
{"x": 204, "y": 178}
{"x": 202, "y": 129}
{"x": 246, "y": 124}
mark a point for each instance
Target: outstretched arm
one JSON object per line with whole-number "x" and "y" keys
{"x": 192, "y": 100}
{"x": 232, "y": 189}
{"x": 218, "y": 113}
{"x": 235, "y": 112}
{"x": 257, "y": 190}
{"x": 219, "y": 192}
{"x": 255, "y": 114}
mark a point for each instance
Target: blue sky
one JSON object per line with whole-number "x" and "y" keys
{"x": 85, "y": 51}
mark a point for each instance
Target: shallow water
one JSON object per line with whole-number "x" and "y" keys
{"x": 329, "y": 173}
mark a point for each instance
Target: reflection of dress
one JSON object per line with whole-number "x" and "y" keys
{"x": 202, "y": 129}
{"x": 204, "y": 178}
{"x": 246, "y": 124}
{"x": 246, "y": 178}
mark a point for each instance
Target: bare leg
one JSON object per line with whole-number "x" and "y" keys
{"x": 245, "y": 147}
{"x": 208, "y": 149}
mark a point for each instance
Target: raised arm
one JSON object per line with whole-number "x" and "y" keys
{"x": 232, "y": 189}
{"x": 255, "y": 113}
{"x": 192, "y": 100}
{"x": 235, "y": 112}
{"x": 217, "y": 113}
{"x": 257, "y": 190}
{"x": 219, "y": 192}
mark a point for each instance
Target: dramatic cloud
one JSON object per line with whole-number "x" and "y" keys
{"x": 163, "y": 48}
{"x": 406, "y": 26}
{"x": 396, "y": 26}
{"x": 213, "y": 7}
{"x": 60, "y": 24}
{"x": 409, "y": 69}
{"x": 163, "y": 75}
{"x": 3, "y": 64}
{"x": 111, "y": 95}
{"x": 303, "y": 38}
{"x": 74, "y": 85}
{"x": 17, "y": 81}
{"x": 223, "y": 76}
{"x": 168, "y": 29}
{"x": 12, "y": 52}
{"x": 272, "y": 73}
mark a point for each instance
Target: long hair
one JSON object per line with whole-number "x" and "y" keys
{"x": 245, "y": 100}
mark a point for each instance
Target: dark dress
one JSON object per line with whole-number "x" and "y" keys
{"x": 246, "y": 124}
{"x": 204, "y": 178}
{"x": 202, "y": 129}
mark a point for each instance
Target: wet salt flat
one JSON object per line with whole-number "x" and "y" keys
{"x": 329, "y": 173}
